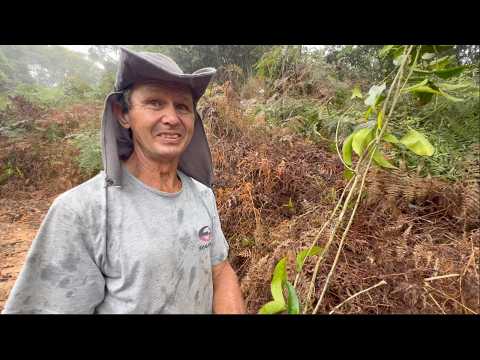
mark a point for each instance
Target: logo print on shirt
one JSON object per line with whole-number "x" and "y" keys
{"x": 205, "y": 235}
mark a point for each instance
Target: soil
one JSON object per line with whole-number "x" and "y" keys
{"x": 19, "y": 221}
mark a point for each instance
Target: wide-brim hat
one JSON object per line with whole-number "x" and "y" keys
{"x": 116, "y": 141}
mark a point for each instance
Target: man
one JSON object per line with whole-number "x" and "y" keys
{"x": 144, "y": 235}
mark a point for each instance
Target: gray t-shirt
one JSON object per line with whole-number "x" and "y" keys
{"x": 155, "y": 257}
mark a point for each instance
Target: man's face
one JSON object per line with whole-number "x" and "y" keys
{"x": 162, "y": 119}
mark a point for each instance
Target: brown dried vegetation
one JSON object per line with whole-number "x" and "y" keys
{"x": 275, "y": 190}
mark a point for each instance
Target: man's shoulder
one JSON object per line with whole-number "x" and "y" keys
{"x": 82, "y": 196}
{"x": 202, "y": 192}
{"x": 197, "y": 186}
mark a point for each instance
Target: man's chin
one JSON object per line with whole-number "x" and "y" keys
{"x": 170, "y": 154}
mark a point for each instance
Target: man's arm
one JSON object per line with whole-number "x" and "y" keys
{"x": 227, "y": 296}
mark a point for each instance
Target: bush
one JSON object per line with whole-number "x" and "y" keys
{"x": 105, "y": 86}
{"x": 76, "y": 89}
{"x": 301, "y": 114}
{"x": 254, "y": 87}
{"x": 89, "y": 159}
{"x": 231, "y": 73}
{"x": 275, "y": 63}
{"x": 54, "y": 132}
{"x": 43, "y": 96}
{"x": 453, "y": 130}
{"x": 3, "y": 101}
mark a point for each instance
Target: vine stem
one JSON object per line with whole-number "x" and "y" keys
{"x": 395, "y": 85}
{"x": 344, "y": 235}
{"x": 336, "y": 144}
{"x": 317, "y": 237}
{"x": 327, "y": 246}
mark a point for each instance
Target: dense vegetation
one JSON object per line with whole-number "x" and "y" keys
{"x": 302, "y": 124}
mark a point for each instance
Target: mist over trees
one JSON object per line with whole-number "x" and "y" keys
{"x": 54, "y": 65}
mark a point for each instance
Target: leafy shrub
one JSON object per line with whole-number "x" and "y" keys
{"x": 89, "y": 158}
{"x": 76, "y": 89}
{"x": 54, "y": 132}
{"x": 231, "y": 73}
{"x": 105, "y": 86}
{"x": 41, "y": 95}
{"x": 3, "y": 101}
{"x": 253, "y": 87}
{"x": 275, "y": 63}
{"x": 453, "y": 130}
{"x": 280, "y": 111}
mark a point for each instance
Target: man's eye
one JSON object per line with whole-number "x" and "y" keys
{"x": 183, "y": 107}
{"x": 156, "y": 103}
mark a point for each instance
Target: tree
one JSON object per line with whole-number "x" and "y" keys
{"x": 46, "y": 65}
{"x": 194, "y": 57}
{"x": 105, "y": 55}
{"x": 5, "y": 72}
{"x": 358, "y": 61}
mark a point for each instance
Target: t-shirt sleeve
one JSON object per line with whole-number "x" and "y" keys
{"x": 59, "y": 275}
{"x": 219, "y": 248}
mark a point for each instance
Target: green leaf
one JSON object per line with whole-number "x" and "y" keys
{"x": 399, "y": 50}
{"x": 347, "y": 150}
{"x": 385, "y": 50}
{"x": 300, "y": 260}
{"x": 390, "y": 138}
{"x": 398, "y": 60}
{"x": 442, "y": 62}
{"x": 373, "y": 94}
{"x": 381, "y": 161}
{"x": 279, "y": 276}
{"x": 368, "y": 112}
{"x": 293, "y": 305}
{"x": 413, "y": 87}
{"x": 418, "y": 143}
{"x": 356, "y": 93}
{"x": 423, "y": 97}
{"x": 272, "y": 307}
{"x": 428, "y": 56}
{"x": 380, "y": 119}
{"x": 347, "y": 174}
{"x": 426, "y": 89}
{"x": 450, "y": 97}
{"x": 421, "y": 71}
{"x": 361, "y": 138}
{"x": 448, "y": 86}
{"x": 450, "y": 72}
{"x": 380, "y": 99}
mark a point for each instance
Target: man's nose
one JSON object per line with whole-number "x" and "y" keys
{"x": 169, "y": 115}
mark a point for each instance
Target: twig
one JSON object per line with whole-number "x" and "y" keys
{"x": 307, "y": 212}
{"x": 441, "y": 277}
{"x": 330, "y": 240}
{"x": 345, "y": 232}
{"x": 383, "y": 282}
{"x": 317, "y": 237}
{"x": 336, "y": 143}
{"x": 436, "y": 303}
{"x": 451, "y": 298}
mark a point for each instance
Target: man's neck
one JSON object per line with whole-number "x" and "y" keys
{"x": 158, "y": 175}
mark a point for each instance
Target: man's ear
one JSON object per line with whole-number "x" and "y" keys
{"x": 120, "y": 115}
